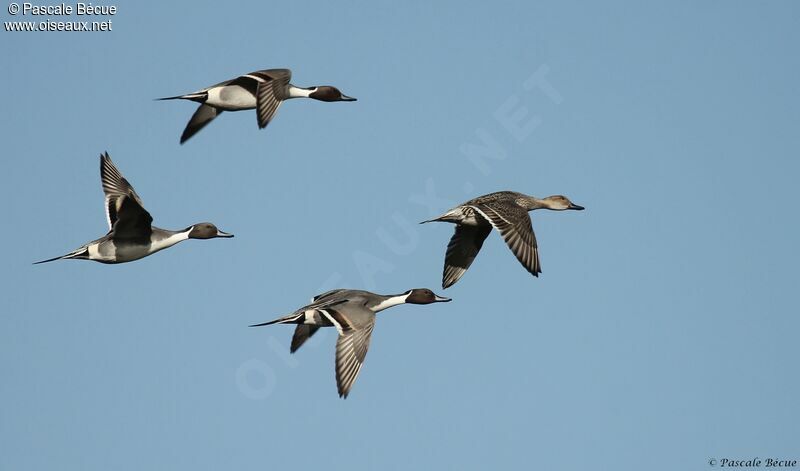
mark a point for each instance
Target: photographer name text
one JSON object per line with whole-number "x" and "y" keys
{"x": 62, "y": 9}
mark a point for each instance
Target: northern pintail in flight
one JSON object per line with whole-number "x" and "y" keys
{"x": 506, "y": 211}
{"x": 263, "y": 90}
{"x": 352, "y": 312}
{"x": 130, "y": 236}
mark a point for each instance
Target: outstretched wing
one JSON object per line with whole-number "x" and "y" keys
{"x": 204, "y": 115}
{"x": 514, "y": 224}
{"x": 302, "y": 333}
{"x": 125, "y": 212}
{"x": 272, "y": 88}
{"x": 462, "y": 250}
{"x": 351, "y": 347}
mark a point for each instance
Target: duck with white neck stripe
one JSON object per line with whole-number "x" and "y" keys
{"x": 352, "y": 312}
{"x": 131, "y": 235}
{"x": 263, "y": 90}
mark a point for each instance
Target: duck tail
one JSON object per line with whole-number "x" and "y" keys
{"x": 81, "y": 253}
{"x": 196, "y": 96}
{"x": 442, "y": 218}
{"x": 293, "y": 318}
{"x": 276, "y": 321}
{"x": 454, "y": 215}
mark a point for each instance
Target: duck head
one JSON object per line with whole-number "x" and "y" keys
{"x": 328, "y": 93}
{"x": 424, "y": 296}
{"x": 206, "y": 230}
{"x": 560, "y": 203}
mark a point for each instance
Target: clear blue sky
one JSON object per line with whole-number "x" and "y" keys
{"x": 662, "y": 333}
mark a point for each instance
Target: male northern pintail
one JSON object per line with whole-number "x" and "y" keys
{"x": 506, "y": 211}
{"x": 131, "y": 236}
{"x": 263, "y": 90}
{"x": 352, "y": 312}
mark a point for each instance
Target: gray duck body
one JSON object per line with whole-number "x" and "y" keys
{"x": 131, "y": 235}
{"x": 506, "y": 211}
{"x": 352, "y": 313}
{"x": 262, "y": 90}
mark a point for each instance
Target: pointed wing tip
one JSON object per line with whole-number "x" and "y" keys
{"x": 451, "y": 276}
{"x": 188, "y": 134}
{"x": 262, "y": 123}
{"x": 449, "y": 279}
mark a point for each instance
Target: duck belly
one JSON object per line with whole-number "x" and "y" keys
{"x": 131, "y": 252}
{"x": 231, "y": 98}
{"x": 110, "y": 252}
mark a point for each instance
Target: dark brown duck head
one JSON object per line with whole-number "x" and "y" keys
{"x": 328, "y": 93}
{"x": 424, "y": 296}
{"x": 206, "y": 230}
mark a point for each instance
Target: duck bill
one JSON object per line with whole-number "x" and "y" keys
{"x": 348, "y": 98}
{"x": 441, "y": 299}
{"x": 224, "y": 234}
{"x": 575, "y": 207}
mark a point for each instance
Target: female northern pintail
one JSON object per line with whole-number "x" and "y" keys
{"x": 263, "y": 90}
{"x": 131, "y": 236}
{"x": 352, "y": 312}
{"x": 506, "y": 211}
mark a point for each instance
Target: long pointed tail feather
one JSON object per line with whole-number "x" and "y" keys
{"x": 292, "y": 318}
{"x": 82, "y": 252}
{"x": 454, "y": 215}
{"x": 49, "y": 260}
{"x": 188, "y": 96}
{"x": 276, "y": 321}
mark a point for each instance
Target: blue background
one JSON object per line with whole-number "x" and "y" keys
{"x": 661, "y": 334}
